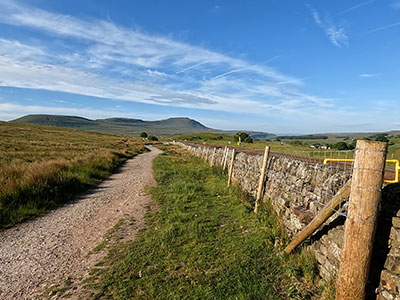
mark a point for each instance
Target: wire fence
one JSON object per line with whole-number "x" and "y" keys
{"x": 335, "y": 158}
{"x": 316, "y": 176}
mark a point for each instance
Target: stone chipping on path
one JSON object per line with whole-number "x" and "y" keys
{"x": 45, "y": 251}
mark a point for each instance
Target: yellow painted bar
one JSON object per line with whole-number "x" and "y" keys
{"x": 397, "y": 168}
{"x": 395, "y": 161}
{"x": 337, "y": 159}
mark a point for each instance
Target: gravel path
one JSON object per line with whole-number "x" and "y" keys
{"x": 41, "y": 252}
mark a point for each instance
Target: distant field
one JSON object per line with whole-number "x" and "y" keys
{"x": 289, "y": 145}
{"x": 42, "y": 167}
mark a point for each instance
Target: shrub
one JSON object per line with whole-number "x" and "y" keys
{"x": 381, "y": 138}
{"x": 143, "y": 135}
{"x": 153, "y": 138}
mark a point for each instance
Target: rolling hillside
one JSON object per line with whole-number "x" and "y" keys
{"x": 132, "y": 127}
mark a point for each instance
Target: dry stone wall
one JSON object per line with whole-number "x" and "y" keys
{"x": 298, "y": 190}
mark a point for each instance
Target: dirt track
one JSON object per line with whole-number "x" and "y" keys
{"x": 38, "y": 253}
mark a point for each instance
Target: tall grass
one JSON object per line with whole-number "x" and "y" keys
{"x": 42, "y": 167}
{"x": 203, "y": 243}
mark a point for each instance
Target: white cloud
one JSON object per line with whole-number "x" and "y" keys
{"x": 9, "y": 111}
{"x": 118, "y": 44}
{"x": 335, "y": 33}
{"x": 316, "y": 17}
{"x": 124, "y": 64}
{"x": 369, "y": 75}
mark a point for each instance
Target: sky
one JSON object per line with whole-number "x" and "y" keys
{"x": 276, "y": 66}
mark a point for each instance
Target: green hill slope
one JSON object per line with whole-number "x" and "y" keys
{"x": 132, "y": 127}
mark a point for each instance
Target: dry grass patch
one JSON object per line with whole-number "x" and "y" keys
{"x": 42, "y": 167}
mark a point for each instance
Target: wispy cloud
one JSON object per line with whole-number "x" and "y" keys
{"x": 335, "y": 33}
{"x": 383, "y": 27}
{"x": 369, "y": 75}
{"x": 10, "y": 111}
{"x": 356, "y": 6}
{"x": 227, "y": 73}
{"x": 122, "y": 63}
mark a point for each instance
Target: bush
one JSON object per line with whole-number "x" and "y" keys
{"x": 143, "y": 135}
{"x": 153, "y": 138}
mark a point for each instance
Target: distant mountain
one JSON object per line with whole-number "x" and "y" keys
{"x": 132, "y": 127}
{"x": 60, "y": 121}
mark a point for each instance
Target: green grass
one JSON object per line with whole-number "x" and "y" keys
{"x": 42, "y": 167}
{"x": 204, "y": 242}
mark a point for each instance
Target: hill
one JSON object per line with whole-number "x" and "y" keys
{"x": 131, "y": 127}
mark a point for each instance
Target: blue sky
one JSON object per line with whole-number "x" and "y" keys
{"x": 276, "y": 66}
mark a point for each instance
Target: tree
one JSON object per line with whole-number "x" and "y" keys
{"x": 381, "y": 138}
{"x": 143, "y": 135}
{"x": 244, "y": 137}
{"x": 248, "y": 140}
{"x": 341, "y": 146}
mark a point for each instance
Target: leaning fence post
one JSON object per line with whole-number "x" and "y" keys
{"x": 366, "y": 185}
{"x": 319, "y": 219}
{"x": 262, "y": 179}
{"x": 231, "y": 167}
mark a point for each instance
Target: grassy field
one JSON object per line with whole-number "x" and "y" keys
{"x": 204, "y": 242}
{"x": 42, "y": 167}
{"x": 287, "y": 146}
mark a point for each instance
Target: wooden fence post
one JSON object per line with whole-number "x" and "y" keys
{"x": 225, "y": 160}
{"x": 213, "y": 157}
{"x": 223, "y": 157}
{"x": 231, "y": 167}
{"x": 366, "y": 185}
{"x": 262, "y": 179}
